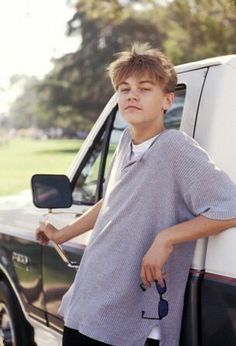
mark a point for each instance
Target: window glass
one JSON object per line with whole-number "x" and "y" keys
{"x": 118, "y": 127}
{"x": 174, "y": 115}
{"x": 85, "y": 188}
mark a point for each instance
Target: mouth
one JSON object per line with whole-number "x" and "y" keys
{"x": 132, "y": 107}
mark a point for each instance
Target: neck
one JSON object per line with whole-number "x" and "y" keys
{"x": 141, "y": 135}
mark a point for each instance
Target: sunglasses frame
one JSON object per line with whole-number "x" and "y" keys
{"x": 163, "y": 303}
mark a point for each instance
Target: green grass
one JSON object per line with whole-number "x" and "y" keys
{"x": 21, "y": 158}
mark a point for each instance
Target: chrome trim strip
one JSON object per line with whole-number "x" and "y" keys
{"x": 37, "y": 318}
{"x": 220, "y": 278}
{"x": 56, "y": 328}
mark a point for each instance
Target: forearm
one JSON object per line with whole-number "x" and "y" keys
{"x": 196, "y": 228}
{"x": 166, "y": 240}
{"x": 81, "y": 225}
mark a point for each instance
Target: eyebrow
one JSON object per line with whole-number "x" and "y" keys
{"x": 141, "y": 82}
{"x": 146, "y": 81}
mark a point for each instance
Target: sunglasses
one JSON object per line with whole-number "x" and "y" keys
{"x": 163, "y": 306}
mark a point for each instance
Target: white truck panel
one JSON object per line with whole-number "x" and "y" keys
{"x": 194, "y": 81}
{"x": 216, "y": 122}
{"x": 221, "y": 254}
{"x": 216, "y": 132}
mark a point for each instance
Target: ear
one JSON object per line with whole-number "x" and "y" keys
{"x": 168, "y": 100}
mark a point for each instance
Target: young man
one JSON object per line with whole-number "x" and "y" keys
{"x": 162, "y": 193}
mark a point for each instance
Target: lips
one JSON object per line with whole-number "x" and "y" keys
{"x": 132, "y": 107}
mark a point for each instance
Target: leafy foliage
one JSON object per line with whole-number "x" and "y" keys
{"x": 73, "y": 94}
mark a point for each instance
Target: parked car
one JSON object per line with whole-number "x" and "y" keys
{"x": 33, "y": 278}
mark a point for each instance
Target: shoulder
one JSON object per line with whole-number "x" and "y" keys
{"x": 184, "y": 154}
{"x": 177, "y": 136}
{"x": 179, "y": 142}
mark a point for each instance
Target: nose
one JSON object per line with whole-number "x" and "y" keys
{"x": 132, "y": 95}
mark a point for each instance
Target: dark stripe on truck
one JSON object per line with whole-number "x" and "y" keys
{"x": 218, "y": 310}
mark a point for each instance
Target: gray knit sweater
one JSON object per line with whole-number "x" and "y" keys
{"x": 173, "y": 181}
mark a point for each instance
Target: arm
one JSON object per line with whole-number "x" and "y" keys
{"x": 165, "y": 241}
{"x": 46, "y": 231}
{"x": 207, "y": 191}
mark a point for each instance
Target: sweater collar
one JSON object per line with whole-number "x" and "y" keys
{"x": 128, "y": 160}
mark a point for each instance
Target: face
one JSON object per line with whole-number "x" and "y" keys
{"x": 142, "y": 101}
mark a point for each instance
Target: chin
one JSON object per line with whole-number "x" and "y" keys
{"x": 132, "y": 118}
{"x": 135, "y": 123}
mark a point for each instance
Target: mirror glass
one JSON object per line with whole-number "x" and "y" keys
{"x": 51, "y": 191}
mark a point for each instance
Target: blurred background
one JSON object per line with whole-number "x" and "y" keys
{"x": 54, "y": 55}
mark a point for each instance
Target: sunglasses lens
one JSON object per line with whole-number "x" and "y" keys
{"x": 163, "y": 308}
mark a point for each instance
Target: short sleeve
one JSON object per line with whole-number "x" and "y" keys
{"x": 213, "y": 195}
{"x": 206, "y": 189}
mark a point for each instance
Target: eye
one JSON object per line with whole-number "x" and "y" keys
{"x": 145, "y": 89}
{"x": 124, "y": 90}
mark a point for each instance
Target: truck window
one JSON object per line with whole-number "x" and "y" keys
{"x": 118, "y": 127}
{"x": 174, "y": 115}
{"x": 172, "y": 120}
{"x": 85, "y": 188}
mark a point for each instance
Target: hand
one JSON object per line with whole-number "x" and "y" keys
{"x": 45, "y": 232}
{"x": 154, "y": 260}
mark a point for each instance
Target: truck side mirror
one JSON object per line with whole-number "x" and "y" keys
{"x": 51, "y": 191}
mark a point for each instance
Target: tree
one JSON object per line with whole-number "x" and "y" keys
{"x": 22, "y": 112}
{"x": 73, "y": 94}
{"x": 78, "y": 82}
{"x": 200, "y": 29}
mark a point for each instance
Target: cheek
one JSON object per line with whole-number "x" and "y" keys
{"x": 154, "y": 104}
{"x": 120, "y": 103}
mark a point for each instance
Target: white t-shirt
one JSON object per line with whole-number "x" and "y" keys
{"x": 138, "y": 150}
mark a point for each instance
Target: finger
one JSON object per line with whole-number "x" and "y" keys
{"x": 164, "y": 275}
{"x": 38, "y": 235}
{"x": 149, "y": 274}
{"x": 152, "y": 268}
{"x": 45, "y": 242}
{"x": 45, "y": 238}
{"x": 143, "y": 276}
{"x": 42, "y": 238}
{"x": 159, "y": 277}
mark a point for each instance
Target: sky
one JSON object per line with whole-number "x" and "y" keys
{"x": 31, "y": 33}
